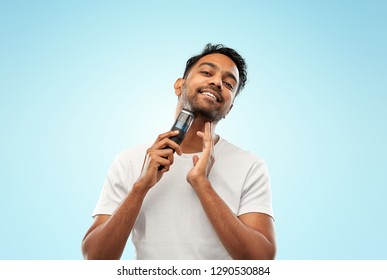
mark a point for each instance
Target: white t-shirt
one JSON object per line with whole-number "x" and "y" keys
{"x": 172, "y": 223}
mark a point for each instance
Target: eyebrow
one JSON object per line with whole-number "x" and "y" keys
{"x": 228, "y": 74}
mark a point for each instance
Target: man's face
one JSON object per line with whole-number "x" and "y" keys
{"x": 210, "y": 87}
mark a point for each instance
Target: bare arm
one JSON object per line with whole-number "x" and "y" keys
{"x": 107, "y": 237}
{"x": 249, "y": 236}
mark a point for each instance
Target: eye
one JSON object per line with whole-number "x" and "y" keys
{"x": 227, "y": 84}
{"x": 205, "y": 73}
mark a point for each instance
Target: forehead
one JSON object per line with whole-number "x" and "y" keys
{"x": 221, "y": 61}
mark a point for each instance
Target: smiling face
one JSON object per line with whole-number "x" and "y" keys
{"x": 210, "y": 87}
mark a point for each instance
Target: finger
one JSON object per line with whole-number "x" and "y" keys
{"x": 178, "y": 150}
{"x": 207, "y": 133}
{"x": 207, "y": 128}
{"x": 168, "y": 143}
{"x": 162, "y": 163}
{"x": 156, "y": 156}
{"x": 171, "y": 158}
{"x": 165, "y": 163}
{"x": 168, "y": 134}
{"x": 165, "y": 153}
{"x": 200, "y": 134}
{"x": 211, "y": 129}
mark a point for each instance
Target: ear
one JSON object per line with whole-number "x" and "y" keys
{"x": 178, "y": 86}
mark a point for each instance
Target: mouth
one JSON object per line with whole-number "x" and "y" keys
{"x": 211, "y": 94}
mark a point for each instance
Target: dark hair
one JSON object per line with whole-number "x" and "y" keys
{"x": 231, "y": 53}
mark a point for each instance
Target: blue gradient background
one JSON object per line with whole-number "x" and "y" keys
{"x": 82, "y": 80}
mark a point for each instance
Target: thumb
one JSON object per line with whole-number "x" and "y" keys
{"x": 195, "y": 159}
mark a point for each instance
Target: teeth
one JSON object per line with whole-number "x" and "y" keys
{"x": 209, "y": 94}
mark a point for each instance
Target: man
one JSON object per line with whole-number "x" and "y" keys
{"x": 209, "y": 200}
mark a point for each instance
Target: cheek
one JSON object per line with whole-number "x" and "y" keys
{"x": 189, "y": 84}
{"x": 229, "y": 102}
{"x": 229, "y": 97}
{"x": 195, "y": 81}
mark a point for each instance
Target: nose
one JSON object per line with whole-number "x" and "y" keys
{"x": 216, "y": 80}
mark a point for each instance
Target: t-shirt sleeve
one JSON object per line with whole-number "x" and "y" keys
{"x": 113, "y": 191}
{"x": 256, "y": 194}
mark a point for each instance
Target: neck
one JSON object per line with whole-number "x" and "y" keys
{"x": 192, "y": 143}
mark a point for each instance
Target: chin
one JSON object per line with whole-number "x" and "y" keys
{"x": 203, "y": 110}
{"x": 209, "y": 115}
